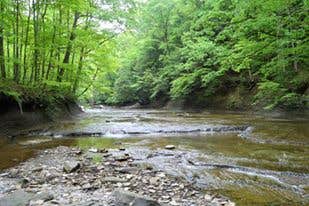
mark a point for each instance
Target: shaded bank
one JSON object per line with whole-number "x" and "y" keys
{"x": 17, "y": 115}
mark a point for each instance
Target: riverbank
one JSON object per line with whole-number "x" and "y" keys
{"x": 70, "y": 176}
{"x": 23, "y": 107}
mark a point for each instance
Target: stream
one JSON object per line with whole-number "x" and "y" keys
{"x": 254, "y": 159}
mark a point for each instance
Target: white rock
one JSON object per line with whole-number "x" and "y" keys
{"x": 170, "y": 147}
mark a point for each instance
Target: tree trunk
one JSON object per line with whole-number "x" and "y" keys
{"x": 69, "y": 47}
{"x": 51, "y": 52}
{"x": 79, "y": 69}
{"x": 35, "y": 70}
{"x": 16, "y": 44}
{"x": 2, "y": 55}
{"x": 26, "y": 45}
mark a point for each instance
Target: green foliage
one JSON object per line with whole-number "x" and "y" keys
{"x": 58, "y": 46}
{"x": 162, "y": 50}
{"x": 182, "y": 86}
{"x": 182, "y": 49}
{"x": 272, "y": 95}
{"x": 11, "y": 90}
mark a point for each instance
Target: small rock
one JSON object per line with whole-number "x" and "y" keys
{"x": 107, "y": 155}
{"x": 122, "y": 158}
{"x": 161, "y": 175}
{"x": 170, "y": 147}
{"x": 37, "y": 169}
{"x": 208, "y": 197}
{"x": 94, "y": 150}
{"x": 174, "y": 203}
{"x": 71, "y": 166}
{"x": 126, "y": 170}
{"x": 4, "y": 174}
{"x": 113, "y": 179}
{"x": 78, "y": 152}
{"x": 153, "y": 180}
{"x": 23, "y": 182}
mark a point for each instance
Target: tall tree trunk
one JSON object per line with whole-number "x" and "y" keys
{"x": 44, "y": 40}
{"x": 79, "y": 69}
{"x": 16, "y": 44}
{"x": 2, "y": 55}
{"x": 35, "y": 69}
{"x": 51, "y": 52}
{"x": 67, "y": 54}
{"x": 8, "y": 56}
{"x": 26, "y": 45}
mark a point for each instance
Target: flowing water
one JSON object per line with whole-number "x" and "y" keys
{"x": 253, "y": 159}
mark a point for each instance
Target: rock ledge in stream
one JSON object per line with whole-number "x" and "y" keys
{"x": 85, "y": 181}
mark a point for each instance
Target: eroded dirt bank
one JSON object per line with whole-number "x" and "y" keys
{"x": 17, "y": 116}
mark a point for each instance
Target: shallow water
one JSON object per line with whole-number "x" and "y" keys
{"x": 253, "y": 159}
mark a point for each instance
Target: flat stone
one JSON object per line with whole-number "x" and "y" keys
{"x": 208, "y": 197}
{"x": 170, "y": 147}
{"x": 94, "y": 150}
{"x": 71, "y": 166}
{"x": 125, "y": 198}
{"x": 17, "y": 198}
{"x": 43, "y": 196}
{"x": 37, "y": 169}
{"x": 126, "y": 170}
{"x": 113, "y": 179}
{"x": 122, "y": 158}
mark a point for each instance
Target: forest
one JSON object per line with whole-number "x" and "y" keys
{"x": 240, "y": 54}
{"x": 154, "y": 102}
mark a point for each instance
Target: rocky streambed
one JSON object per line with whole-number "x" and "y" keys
{"x": 71, "y": 176}
{"x": 250, "y": 158}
